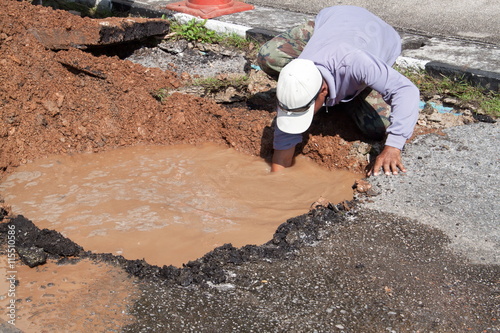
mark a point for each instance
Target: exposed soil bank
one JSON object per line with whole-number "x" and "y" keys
{"x": 98, "y": 103}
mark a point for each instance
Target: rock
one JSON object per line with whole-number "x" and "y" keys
{"x": 51, "y": 107}
{"x": 32, "y": 256}
{"x": 293, "y": 236}
{"x": 228, "y": 95}
{"x": 452, "y": 101}
{"x": 222, "y": 286}
{"x": 174, "y": 47}
{"x": 361, "y": 148}
{"x": 100, "y": 32}
{"x": 321, "y": 202}
{"x": 362, "y": 186}
{"x": 435, "y": 117}
{"x": 428, "y": 109}
{"x": 483, "y": 118}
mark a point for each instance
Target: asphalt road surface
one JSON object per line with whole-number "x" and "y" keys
{"x": 478, "y": 20}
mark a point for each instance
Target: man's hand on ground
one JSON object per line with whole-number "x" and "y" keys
{"x": 389, "y": 160}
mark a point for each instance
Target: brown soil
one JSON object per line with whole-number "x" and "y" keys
{"x": 48, "y": 107}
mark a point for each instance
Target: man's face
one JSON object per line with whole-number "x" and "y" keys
{"x": 318, "y": 104}
{"x": 320, "y": 100}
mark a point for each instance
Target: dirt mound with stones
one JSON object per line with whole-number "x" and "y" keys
{"x": 67, "y": 100}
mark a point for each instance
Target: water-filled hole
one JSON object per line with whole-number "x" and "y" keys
{"x": 167, "y": 204}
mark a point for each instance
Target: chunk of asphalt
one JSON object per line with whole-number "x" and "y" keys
{"x": 32, "y": 256}
{"x": 100, "y": 32}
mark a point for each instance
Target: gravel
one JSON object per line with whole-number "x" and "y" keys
{"x": 452, "y": 184}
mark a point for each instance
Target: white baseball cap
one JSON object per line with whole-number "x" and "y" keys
{"x": 299, "y": 84}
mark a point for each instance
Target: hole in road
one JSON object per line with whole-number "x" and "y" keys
{"x": 167, "y": 204}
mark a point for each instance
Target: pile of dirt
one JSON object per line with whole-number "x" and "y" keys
{"x": 69, "y": 101}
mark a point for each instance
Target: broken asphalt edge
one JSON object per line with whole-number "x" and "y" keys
{"x": 488, "y": 80}
{"x": 34, "y": 246}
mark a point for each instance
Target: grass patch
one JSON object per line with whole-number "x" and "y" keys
{"x": 196, "y": 31}
{"x": 161, "y": 94}
{"x": 236, "y": 41}
{"x": 487, "y": 102}
{"x": 213, "y": 84}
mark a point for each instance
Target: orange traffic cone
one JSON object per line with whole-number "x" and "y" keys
{"x": 209, "y": 8}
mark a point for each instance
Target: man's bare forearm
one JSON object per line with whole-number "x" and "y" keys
{"x": 282, "y": 159}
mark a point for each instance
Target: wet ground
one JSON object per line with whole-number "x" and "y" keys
{"x": 88, "y": 297}
{"x": 335, "y": 268}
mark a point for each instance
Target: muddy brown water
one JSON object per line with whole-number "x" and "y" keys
{"x": 167, "y": 204}
{"x": 87, "y": 297}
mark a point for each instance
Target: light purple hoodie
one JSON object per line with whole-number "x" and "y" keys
{"x": 354, "y": 49}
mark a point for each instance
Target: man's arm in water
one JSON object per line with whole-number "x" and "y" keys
{"x": 389, "y": 160}
{"x": 282, "y": 159}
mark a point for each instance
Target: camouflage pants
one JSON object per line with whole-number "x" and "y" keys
{"x": 368, "y": 110}
{"x": 370, "y": 113}
{"x": 279, "y": 51}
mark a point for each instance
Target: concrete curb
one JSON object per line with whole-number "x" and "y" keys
{"x": 488, "y": 80}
